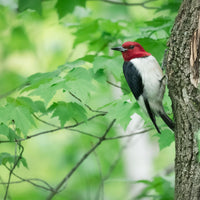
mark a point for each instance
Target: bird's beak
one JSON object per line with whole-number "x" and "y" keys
{"x": 122, "y": 49}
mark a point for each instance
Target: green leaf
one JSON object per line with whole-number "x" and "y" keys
{"x": 15, "y": 80}
{"x": 108, "y": 31}
{"x": 33, "y": 106}
{"x": 47, "y": 90}
{"x": 112, "y": 65}
{"x": 165, "y": 139}
{"x": 64, "y": 7}
{"x": 124, "y": 85}
{"x": 87, "y": 31}
{"x": 81, "y": 88}
{"x": 152, "y": 46}
{"x": 78, "y": 73}
{"x": 67, "y": 111}
{"x": 35, "y": 80}
{"x": 24, "y": 163}
{"x": 8, "y": 158}
{"x": 158, "y": 187}
{"x": 19, "y": 40}
{"x": 30, "y": 4}
{"x": 44, "y": 85}
{"x": 8, "y": 132}
{"x": 170, "y": 5}
{"x": 121, "y": 110}
{"x": 18, "y": 114}
{"x": 79, "y": 82}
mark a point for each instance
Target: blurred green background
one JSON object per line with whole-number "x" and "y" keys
{"x": 39, "y": 37}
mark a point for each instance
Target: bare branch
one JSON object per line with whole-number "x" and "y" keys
{"x": 101, "y": 186}
{"x": 12, "y": 169}
{"x": 114, "y": 164}
{"x": 97, "y": 111}
{"x": 31, "y": 181}
{"x": 85, "y": 133}
{"x": 143, "y": 4}
{"x": 44, "y": 122}
{"x": 53, "y": 130}
{"x": 65, "y": 179}
{"x": 129, "y": 135}
{"x": 117, "y": 86}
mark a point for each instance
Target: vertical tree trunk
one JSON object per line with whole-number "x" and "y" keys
{"x": 183, "y": 70}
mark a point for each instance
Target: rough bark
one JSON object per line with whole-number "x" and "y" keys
{"x": 183, "y": 70}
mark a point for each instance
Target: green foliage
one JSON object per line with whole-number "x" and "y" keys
{"x": 15, "y": 80}
{"x": 68, "y": 111}
{"x": 15, "y": 112}
{"x": 8, "y": 132}
{"x": 110, "y": 65}
{"x": 159, "y": 188}
{"x": 29, "y": 4}
{"x": 19, "y": 40}
{"x": 64, "y": 6}
{"x": 6, "y": 158}
{"x": 122, "y": 111}
{"x": 166, "y": 138}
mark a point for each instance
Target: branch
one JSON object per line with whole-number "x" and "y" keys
{"x": 122, "y": 88}
{"x": 65, "y": 179}
{"x": 101, "y": 186}
{"x": 44, "y": 122}
{"x": 52, "y": 130}
{"x": 111, "y": 138}
{"x": 114, "y": 164}
{"x": 49, "y": 188}
{"x": 97, "y": 111}
{"x": 129, "y": 135}
{"x": 12, "y": 169}
{"x": 143, "y": 4}
{"x": 84, "y": 133}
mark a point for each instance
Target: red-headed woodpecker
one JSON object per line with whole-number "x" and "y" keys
{"x": 145, "y": 79}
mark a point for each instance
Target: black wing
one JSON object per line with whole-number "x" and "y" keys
{"x": 133, "y": 79}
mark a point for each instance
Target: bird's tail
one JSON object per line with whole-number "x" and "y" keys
{"x": 151, "y": 114}
{"x": 167, "y": 120}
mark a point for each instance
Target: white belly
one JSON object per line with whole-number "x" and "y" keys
{"x": 152, "y": 75}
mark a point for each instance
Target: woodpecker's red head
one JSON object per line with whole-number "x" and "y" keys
{"x": 131, "y": 50}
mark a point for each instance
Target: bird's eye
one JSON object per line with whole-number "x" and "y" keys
{"x": 131, "y": 47}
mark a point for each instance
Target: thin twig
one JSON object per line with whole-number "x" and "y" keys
{"x": 101, "y": 186}
{"x": 65, "y": 179}
{"x": 12, "y": 169}
{"x": 114, "y": 164}
{"x": 84, "y": 133}
{"x": 111, "y": 138}
{"x": 32, "y": 183}
{"x": 86, "y": 105}
{"x": 30, "y": 180}
{"x": 128, "y": 135}
{"x": 41, "y": 120}
{"x": 117, "y": 86}
{"x": 143, "y": 4}
{"x": 52, "y": 130}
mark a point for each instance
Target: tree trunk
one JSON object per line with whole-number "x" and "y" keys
{"x": 183, "y": 70}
